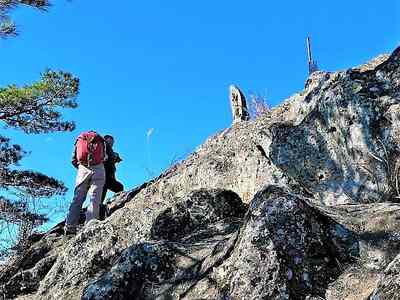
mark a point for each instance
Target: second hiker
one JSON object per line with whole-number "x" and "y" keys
{"x": 112, "y": 158}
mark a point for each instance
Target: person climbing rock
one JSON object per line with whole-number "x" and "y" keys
{"x": 113, "y": 158}
{"x": 88, "y": 156}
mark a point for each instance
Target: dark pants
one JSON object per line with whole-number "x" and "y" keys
{"x": 113, "y": 185}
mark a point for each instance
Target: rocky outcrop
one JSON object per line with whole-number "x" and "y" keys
{"x": 23, "y": 273}
{"x": 287, "y": 249}
{"x": 297, "y": 204}
{"x": 190, "y": 239}
{"x": 238, "y": 105}
{"x": 388, "y": 286}
{"x": 343, "y": 143}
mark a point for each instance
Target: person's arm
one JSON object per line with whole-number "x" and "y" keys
{"x": 117, "y": 158}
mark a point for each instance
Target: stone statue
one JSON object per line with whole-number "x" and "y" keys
{"x": 238, "y": 104}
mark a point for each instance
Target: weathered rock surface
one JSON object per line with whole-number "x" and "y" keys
{"x": 238, "y": 105}
{"x": 194, "y": 236}
{"x": 342, "y": 144}
{"x": 287, "y": 249}
{"x": 293, "y": 205}
{"x": 388, "y": 286}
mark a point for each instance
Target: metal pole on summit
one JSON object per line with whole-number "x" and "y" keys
{"x": 309, "y": 54}
{"x": 312, "y": 65}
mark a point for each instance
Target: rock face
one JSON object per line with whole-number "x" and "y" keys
{"x": 287, "y": 249}
{"x": 190, "y": 239}
{"x": 297, "y": 204}
{"x": 388, "y": 287}
{"x": 238, "y": 105}
{"x": 343, "y": 143}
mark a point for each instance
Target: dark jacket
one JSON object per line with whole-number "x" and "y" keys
{"x": 109, "y": 164}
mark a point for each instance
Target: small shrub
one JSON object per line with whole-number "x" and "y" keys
{"x": 258, "y": 106}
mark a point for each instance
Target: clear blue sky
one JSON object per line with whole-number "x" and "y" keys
{"x": 167, "y": 65}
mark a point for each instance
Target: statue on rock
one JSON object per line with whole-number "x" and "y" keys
{"x": 238, "y": 104}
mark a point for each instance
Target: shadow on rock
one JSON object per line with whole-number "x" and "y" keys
{"x": 195, "y": 236}
{"x": 195, "y": 210}
{"x": 166, "y": 270}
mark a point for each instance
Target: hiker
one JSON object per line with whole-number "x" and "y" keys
{"x": 109, "y": 165}
{"x": 88, "y": 157}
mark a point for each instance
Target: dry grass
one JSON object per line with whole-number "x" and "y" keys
{"x": 258, "y": 106}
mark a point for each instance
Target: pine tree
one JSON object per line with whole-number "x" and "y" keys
{"x": 33, "y": 109}
{"x": 7, "y": 26}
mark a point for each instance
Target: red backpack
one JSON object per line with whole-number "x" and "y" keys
{"x": 90, "y": 148}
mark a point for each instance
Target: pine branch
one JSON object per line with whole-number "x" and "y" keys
{"x": 9, "y": 154}
{"x": 7, "y": 5}
{"x": 17, "y": 212}
{"x": 34, "y": 109}
{"x": 7, "y": 26}
{"x": 39, "y": 4}
{"x": 33, "y": 183}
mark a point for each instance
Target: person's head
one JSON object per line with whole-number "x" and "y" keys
{"x": 109, "y": 139}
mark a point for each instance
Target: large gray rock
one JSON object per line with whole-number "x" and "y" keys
{"x": 334, "y": 143}
{"x": 287, "y": 249}
{"x": 99, "y": 245}
{"x": 166, "y": 269}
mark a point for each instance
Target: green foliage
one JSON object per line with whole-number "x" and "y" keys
{"x": 34, "y": 108}
{"x": 15, "y": 212}
{"x": 9, "y": 154}
{"x": 7, "y": 26}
